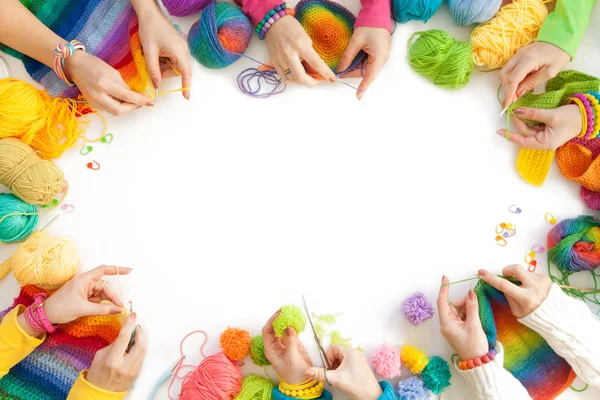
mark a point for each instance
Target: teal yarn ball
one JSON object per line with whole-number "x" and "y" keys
{"x": 411, "y": 10}
{"x": 220, "y": 36}
{"x": 17, "y": 218}
{"x": 441, "y": 58}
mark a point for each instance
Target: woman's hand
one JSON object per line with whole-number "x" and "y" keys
{"x": 115, "y": 369}
{"x": 351, "y": 373}
{"x": 376, "y": 42}
{"x": 557, "y": 127}
{"x": 460, "y": 324}
{"x": 524, "y": 299}
{"x": 290, "y": 46}
{"x": 102, "y": 85}
{"x": 533, "y": 64}
{"x": 287, "y": 355}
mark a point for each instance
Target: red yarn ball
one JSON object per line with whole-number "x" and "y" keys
{"x": 216, "y": 378}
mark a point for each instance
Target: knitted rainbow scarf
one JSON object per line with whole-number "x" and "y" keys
{"x": 50, "y": 371}
{"x": 526, "y": 354}
{"x": 108, "y": 28}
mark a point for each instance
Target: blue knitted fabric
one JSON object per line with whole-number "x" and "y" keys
{"x": 388, "y": 391}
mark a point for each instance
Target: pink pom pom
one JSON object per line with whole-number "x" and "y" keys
{"x": 386, "y": 361}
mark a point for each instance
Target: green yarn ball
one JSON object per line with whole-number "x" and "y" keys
{"x": 290, "y": 315}
{"x": 441, "y": 58}
{"x": 257, "y": 352}
{"x": 255, "y": 387}
{"x": 436, "y": 375}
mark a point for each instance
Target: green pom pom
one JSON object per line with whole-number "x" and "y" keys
{"x": 436, "y": 375}
{"x": 257, "y": 351}
{"x": 290, "y": 315}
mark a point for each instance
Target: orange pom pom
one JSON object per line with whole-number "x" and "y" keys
{"x": 235, "y": 343}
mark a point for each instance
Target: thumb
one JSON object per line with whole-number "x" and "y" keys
{"x": 349, "y": 55}
{"x": 290, "y": 338}
{"x": 319, "y": 375}
{"x": 153, "y": 65}
{"x": 472, "y": 306}
{"x": 99, "y": 309}
{"x": 536, "y": 114}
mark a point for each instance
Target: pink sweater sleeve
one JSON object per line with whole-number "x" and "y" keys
{"x": 257, "y": 9}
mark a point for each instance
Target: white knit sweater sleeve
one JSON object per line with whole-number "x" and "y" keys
{"x": 571, "y": 330}
{"x": 492, "y": 382}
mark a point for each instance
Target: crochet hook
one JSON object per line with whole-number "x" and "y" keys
{"x": 165, "y": 375}
{"x": 132, "y": 340}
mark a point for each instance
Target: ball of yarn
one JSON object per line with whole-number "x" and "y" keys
{"x": 17, "y": 219}
{"x": 414, "y": 359}
{"x": 44, "y": 261}
{"x": 436, "y": 375}
{"x": 410, "y": 10}
{"x": 413, "y": 388}
{"x": 33, "y": 180}
{"x": 574, "y": 244}
{"x": 216, "y": 378}
{"x": 235, "y": 343}
{"x": 417, "y": 308}
{"x": 290, "y": 315}
{"x": 469, "y": 12}
{"x": 516, "y": 25}
{"x": 48, "y": 125}
{"x": 183, "y": 8}
{"x": 255, "y": 387}
{"x": 257, "y": 351}
{"x": 441, "y": 58}
{"x": 221, "y": 35}
{"x": 386, "y": 361}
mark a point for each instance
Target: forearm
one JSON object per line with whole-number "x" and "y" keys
{"x": 145, "y": 8}
{"x": 15, "y": 342}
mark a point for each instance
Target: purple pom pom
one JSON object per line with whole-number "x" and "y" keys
{"x": 417, "y": 308}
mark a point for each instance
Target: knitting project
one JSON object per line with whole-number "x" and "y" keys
{"x": 109, "y": 30}
{"x": 50, "y": 371}
{"x": 526, "y": 354}
{"x": 330, "y": 27}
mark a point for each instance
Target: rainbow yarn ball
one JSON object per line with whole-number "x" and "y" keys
{"x": 216, "y": 378}
{"x": 220, "y": 36}
{"x": 257, "y": 352}
{"x": 386, "y": 361}
{"x": 436, "y": 375}
{"x": 417, "y": 308}
{"x": 411, "y": 10}
{"x": 289, "y": 315}
{"x": 469, "y": 12}
{"x": 412, "y": 388}
{"x": 235, "y": 343}
{"x": 574, "y": 244}
{"x": 17, "y": 218}
{"x": 183, "y": 8}
{"x": 255, "y": 387}
{"x": 414, "y": 359}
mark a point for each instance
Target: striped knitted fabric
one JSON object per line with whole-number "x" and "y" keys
{"x": 108, "y": 28}
{"x": 50, "y": 371}
{"x": 527, "y": 356}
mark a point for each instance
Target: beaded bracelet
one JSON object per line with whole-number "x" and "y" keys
{"x": 277, "y": 395}
{"x": 280, "y": 11}
{"x": 594, "y": 98}
{"x": 35, "y": 315}
{"x": 477, "y": 362}
{"x": 309, "y": 389}
{"x": 61, "y": 53}
{"x": 587, "y": 115}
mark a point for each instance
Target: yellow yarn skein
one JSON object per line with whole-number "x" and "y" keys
{"x": 516, "y": 25}
{"x": 44, "y": 261}
{"x": 33, "y": 180}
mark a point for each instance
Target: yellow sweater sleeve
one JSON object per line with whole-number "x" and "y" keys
{"x": 83, "y": 390}
{"x": 15, "y": 343}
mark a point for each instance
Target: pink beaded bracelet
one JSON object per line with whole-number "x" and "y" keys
{"x": 35, "y": 315}
{"x": 273, "y": 15}
{"x": 477, "y": 362}
{"x": 589, "y": 114}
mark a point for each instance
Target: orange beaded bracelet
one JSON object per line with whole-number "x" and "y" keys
{"x": 477, "y": 362}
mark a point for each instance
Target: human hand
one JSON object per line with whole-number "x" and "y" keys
{"x": 81, "y": 296}
{"x": 557, "y": 127}
{"x": 351, "y": 373}
{"x": 524, "y": 299}
{"x": 290, "y": 46}
{"x": 460, "y": 324}
{"x": 533, "y": 64}
{"x": 376, "y": 42}
{"x": 113, "y": 368}
{"x": 101, "y": 85}
{"x": 287, "y": 355}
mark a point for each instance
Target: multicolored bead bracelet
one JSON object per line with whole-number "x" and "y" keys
{"x": 61, "y": 53}
{"x": 595, "y": 100}
{"x": 309, "y": 389}
{"x": 280, "y": 11}
{"x": 477, "y": 362}
{"x": 587, "y": 114}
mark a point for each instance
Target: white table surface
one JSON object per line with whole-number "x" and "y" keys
{"x": 228, "y": 207}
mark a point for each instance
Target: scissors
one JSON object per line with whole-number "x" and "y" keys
{"x": 324, "y": 361}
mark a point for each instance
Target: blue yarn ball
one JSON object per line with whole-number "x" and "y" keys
{"x": 469, "y": 12}
{"x": 15, "y": 226}
{"x": 220, "y": 36}
{"x": 412, "y": 389}
{"x": 409, "y": 10}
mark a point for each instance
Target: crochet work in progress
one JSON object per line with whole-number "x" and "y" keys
{"x": 579, "y": 162}
{"x": 330, "y": 27}
{"x": 527, "y": 356}
{"x": 50, "y": 371}
{"x": 109, "y": 30}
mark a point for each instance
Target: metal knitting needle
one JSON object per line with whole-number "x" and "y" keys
{"x": 504, "y": 111}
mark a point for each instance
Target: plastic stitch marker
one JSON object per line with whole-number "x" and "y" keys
{"x": 529, "y": 257}
{"x": 537, "y": 248}
{"x": 532, "y": 266}
{"x": 108, "y": 138}
{"x": 550, "y": 218}
{"x": 51, "y": 204}
{"x": 93, "y": 165}
{"x": 500, "y": 241}
{"x": 68, "y": 208}
{"x": 514, "y": 209}
{"x": 85, "y": 150}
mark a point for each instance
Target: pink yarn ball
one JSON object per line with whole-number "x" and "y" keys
{"x": 183, "y": 8}
{"x": 386, "y": 361}
{"x": 216, "y": 378}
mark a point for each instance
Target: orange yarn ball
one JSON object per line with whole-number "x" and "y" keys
{"x": 235, "y": 343}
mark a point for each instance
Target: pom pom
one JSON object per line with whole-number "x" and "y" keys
{"x": 255, "y": 387}
{"x": 414, "y": 359}
{"x": 386, "y": 361}
{"x": 183, "y": 8}
{"x": 290, "y": 315}
{"x": 412, "y": 389}
{"x": 235, "y": 343}
{"x": 17, "y": 219}
{"x": 469, "y": 12}
{"x": 417, "y": 308}
{"x": 436, "y": 375}
{"x": 257, "y": 351}
{"x": 410, "y": 10}
{"x": 216, "y": 378}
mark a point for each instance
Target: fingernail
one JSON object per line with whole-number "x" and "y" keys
{"x": 115, "y": 311}
{"x": 151, "y": 104}
{"x": 521, "y": 92}
{"x": 310, "y": 373}
{"x": 519, "y": 111}
{"x": 138, "y": 107}
{"x": 481, "y": 272}
{"x": 133, "y": 316}
{"x": 332, "y": 80}
{"x": 443, "y": 278}
{"x": 471, "y": 294}
{"x": 138, "y": 327}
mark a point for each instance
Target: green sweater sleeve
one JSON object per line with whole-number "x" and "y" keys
{"x": 565, "y": 26}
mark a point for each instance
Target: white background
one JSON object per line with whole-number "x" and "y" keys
{"x": 228, "y": 207}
